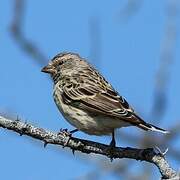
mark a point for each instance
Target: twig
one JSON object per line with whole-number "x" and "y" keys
{"x": 17, "y": 33}
{"x": 95, "y": 40}
{"x": 85, "y": 146}
{"x": 131, "y": 8}
{"x": 166, "y": 61}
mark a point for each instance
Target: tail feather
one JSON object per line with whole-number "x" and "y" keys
{"x": 150, "y": 127}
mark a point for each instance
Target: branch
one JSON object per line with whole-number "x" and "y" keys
{"x": 17, "y": 33}
{"x": 85, "y": 146}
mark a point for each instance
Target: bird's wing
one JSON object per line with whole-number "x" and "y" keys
{"x": 97, "y": 99}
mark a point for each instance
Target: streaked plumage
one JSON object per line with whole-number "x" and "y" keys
{"x": 87, "y": 100}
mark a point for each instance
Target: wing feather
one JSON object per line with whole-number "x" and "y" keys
{"x": 96, "y": 99}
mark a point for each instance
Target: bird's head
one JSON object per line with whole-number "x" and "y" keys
{"x": 63, "y": 64}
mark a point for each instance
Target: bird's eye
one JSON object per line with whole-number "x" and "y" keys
{"x": 60, "y": 63}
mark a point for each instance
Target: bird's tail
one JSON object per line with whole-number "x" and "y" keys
{"x": 150, "y": 127}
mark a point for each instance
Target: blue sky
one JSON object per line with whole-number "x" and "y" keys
{"x": 129, "y": 57}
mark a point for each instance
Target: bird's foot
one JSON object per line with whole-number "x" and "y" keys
{"x": 110, "y": 149}
{"x": 64, "y": 132}
{"x": 67, "y": 134}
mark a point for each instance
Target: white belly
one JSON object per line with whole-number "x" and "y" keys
{"x": 96, "y": 125}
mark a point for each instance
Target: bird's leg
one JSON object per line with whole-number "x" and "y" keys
{"x": 113, "y": 141}
{"x": 112, "y": 145}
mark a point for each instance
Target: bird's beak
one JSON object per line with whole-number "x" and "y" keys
{"x": 48, "y": 69}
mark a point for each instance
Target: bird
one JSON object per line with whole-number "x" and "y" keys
{"x": 88, "y": 101}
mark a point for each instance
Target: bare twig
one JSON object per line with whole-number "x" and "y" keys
{"x": 85, "y": 146}
{"x": 17, "y": 33}
{"x": 166, "y": 61}
{"x": 130, "y": 9}
{"x": 95, "y": 40}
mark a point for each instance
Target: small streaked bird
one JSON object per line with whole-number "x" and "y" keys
{"x": 87, "y": 101}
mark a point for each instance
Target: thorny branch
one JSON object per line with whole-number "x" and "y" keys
{"x": 85, "y": 146}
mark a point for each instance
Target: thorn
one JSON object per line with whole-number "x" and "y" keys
{"x": 45, "y": 143}
{"x": 17, "y": 119}
{"x": 164, "y": 153}
{"x": 160, "y": 152}
{"x": 21, "y": 133}
{"x": 111, "y": 159}
{"x": 73, "y": 151}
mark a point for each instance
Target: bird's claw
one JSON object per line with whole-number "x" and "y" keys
{"x": 64, "y": 132}
{"x": 110, "y": 150}
{"x": 67, "y": 135}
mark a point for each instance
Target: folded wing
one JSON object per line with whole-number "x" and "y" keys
{"x": 104, "y": 100}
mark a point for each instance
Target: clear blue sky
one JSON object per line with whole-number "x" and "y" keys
{"x": 129, "y": 58}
